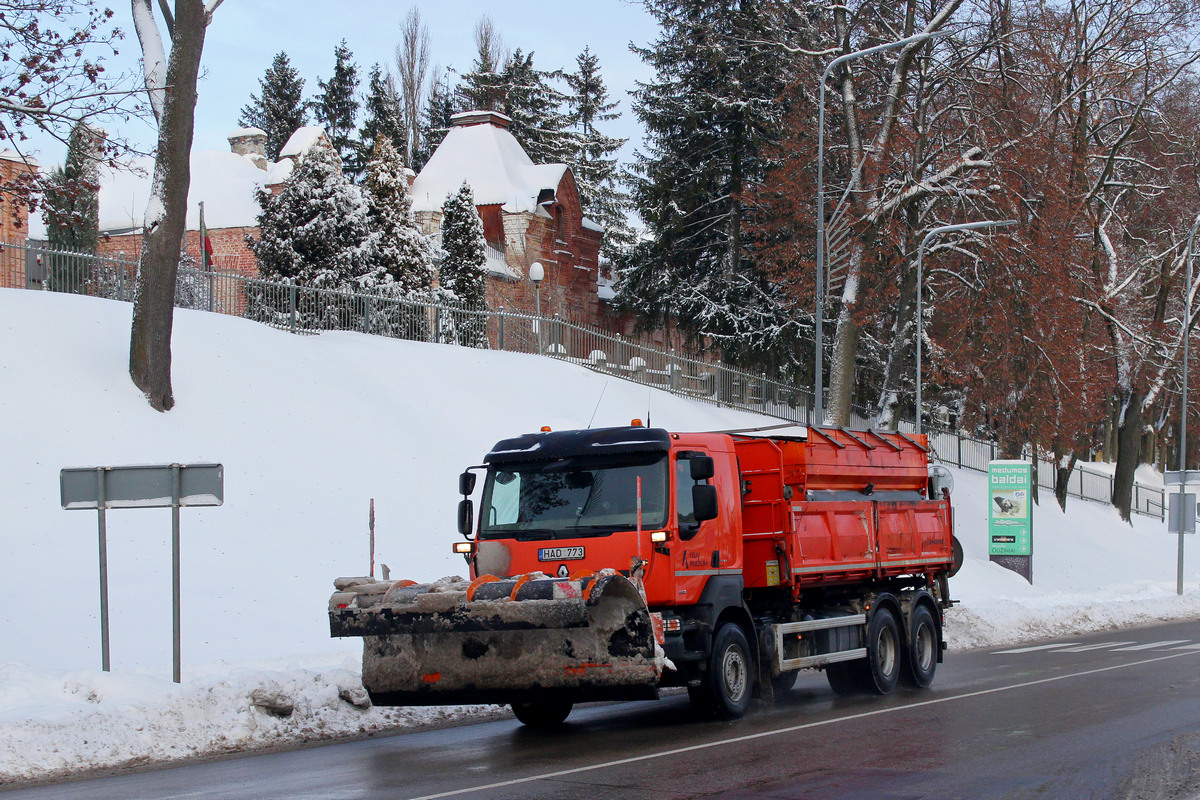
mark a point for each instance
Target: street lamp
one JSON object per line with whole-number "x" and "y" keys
{"x": 1187, "y": 319}
{"x": 536, "y": 274}
{"x": 818, "y": 377}
{"x": 965, "y": 226}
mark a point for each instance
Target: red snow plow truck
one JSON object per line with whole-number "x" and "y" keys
{"x": 610, "y": 563}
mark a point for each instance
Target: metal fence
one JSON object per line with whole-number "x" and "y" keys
{"x": 304, "y": 309}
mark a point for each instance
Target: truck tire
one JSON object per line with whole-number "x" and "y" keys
{"x": 882, "y": 668}
{"x": 845, "y": 678}
{"x": 543, "y": 714}
{"x": 725, "y": 689}
{"x": 920, "y": 655}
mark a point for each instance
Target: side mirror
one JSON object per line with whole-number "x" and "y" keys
{"x": 704, "y": 501}
{"x": 466, "y": 516}
{"x": 466, "y": 483}
{"x": 702, "y": 468}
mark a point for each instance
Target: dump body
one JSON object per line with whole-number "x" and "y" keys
{"x": 606, "y": 563}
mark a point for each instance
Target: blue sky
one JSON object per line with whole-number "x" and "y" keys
{"x": 246, "y": 34}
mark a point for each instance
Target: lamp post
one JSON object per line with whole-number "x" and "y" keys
{"x": 818, "y": 376}
{"x": 536, "y": 274}
{"x": 964, "y": 226}
{"x": 1187, "y": 319}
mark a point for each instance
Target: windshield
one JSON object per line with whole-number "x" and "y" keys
{"x": 570, "y": 498}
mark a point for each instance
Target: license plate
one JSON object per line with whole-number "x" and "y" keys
{"x": 560, "y": 554}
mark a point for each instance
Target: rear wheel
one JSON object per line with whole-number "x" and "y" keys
{"x": 845, "y": 678}
{"x": 921, "y": 653}
{"x": 543, "y": 713}
{"x": 883, "y": 653}
{"x": 725, "y": 689}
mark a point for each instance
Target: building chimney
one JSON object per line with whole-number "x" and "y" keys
{"x": 250, "y": 143}
{"x": 467, "y": 118}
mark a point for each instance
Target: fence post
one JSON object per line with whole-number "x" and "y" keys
{"x": 500, "y": 325}
{"x": 367, "y": 314}
{"x": 671, "y": 366}
{"x": 292, "y": 306}
{"x": 958, "y": 436}
{"x": 557, "y": 335}
{"x": 762, "y": 378}
{"x": 436, "y": 333}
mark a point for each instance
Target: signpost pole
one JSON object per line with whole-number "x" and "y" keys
{"x": 105, "y": 663}
{"x": 176, "y": 671}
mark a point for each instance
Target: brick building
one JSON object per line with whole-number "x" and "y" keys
{"x": 531, "y": 212}
{"x": 14, "y": 215}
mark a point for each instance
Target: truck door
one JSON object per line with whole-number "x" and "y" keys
{"x": 705, "y": 548}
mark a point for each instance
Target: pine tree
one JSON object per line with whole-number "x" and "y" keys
{"x": 461, "y": 273}
{"x": 383, "y": 115}
{"x": 436, "y": 121}
{"x": 316, "y": 230}
{"x": 399, "y": 257}
{"x": 535, "y": 107}
{"x": 595, "y": 163}
{"x": 336, "y": 107}
{"x": 708, "y": 114}
{"x": 279, "y": 107}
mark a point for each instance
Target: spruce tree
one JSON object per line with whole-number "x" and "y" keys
{"x": 399, "y": 258}
{"x": 436, "y": 121}
{"x": 461, "y": 274}
{"x": 336, "y": 107}
{"x": 73, "y": 210}
{"x": 480, "y": 89}
{"x": 382, "y": 115}
{"x": 316, "y": 230}
{"x": 536, "y": 108}
{"x": 721, "y": 67}
{"x": 279, "y": 107}
{"x": 595, "y": 162}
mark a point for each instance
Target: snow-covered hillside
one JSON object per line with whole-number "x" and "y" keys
{"x": 310, "y": 429}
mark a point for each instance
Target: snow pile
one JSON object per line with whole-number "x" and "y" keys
{"x": 60, "y": 723}
{"x": 309, "y": 430}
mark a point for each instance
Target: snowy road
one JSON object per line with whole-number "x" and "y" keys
{"x": 1115, "y": 715}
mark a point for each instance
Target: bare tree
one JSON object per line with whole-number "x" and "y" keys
{"x": 53, "y": 78}
{"x": 171, "y": 85}
{"x": 412, "y": 64}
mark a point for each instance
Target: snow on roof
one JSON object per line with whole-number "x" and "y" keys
{"x": 592, "y": 225}
{"x": 240, "y": 132}
{"x": 301, "y": 140}
{"x": 13, "y": 155}
{"x": 224, "y": 182}
{"x": 492, "y": 161}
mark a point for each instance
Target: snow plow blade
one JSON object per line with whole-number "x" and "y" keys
{"x": 508, "y": 640}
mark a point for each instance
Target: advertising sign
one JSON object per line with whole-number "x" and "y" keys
{"x": 1010, "y": 516}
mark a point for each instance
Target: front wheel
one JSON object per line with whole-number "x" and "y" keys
{"x": 725, "y": 690}
{"x": 543, "y": 714}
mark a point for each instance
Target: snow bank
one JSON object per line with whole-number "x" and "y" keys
{"x": 309, "y": 430}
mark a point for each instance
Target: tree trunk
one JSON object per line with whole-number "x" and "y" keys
{"x": 1129, "y": 440}
{"x": 841, "y": 378}
{"x": 154, "y": 297}
{"x": 1062, "y": 476}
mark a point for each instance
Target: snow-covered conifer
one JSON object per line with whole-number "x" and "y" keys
{"x": 279, "y": 107}
{"x": 316, "y": 229}
{"x": 337, "y": 106}
{"x": 399, "y": 257}
{"x": 72, "y": 193}
{"x": 461, "y": 273}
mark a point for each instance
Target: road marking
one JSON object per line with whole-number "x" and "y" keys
{"x": 805, "y": 726}
{"x": 1034, "y": 648}
{"x": 1151, "y": 646}
{"x": 1187, "y": 647}
{"x": 1087, "y": 647}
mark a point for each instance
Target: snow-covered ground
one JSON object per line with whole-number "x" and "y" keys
{"x": 309, "y": 430}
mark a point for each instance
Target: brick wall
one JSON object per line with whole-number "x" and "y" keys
{"x": 230, "y": 253}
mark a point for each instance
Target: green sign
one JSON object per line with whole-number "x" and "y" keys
{"x": 1010, "y": 509}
